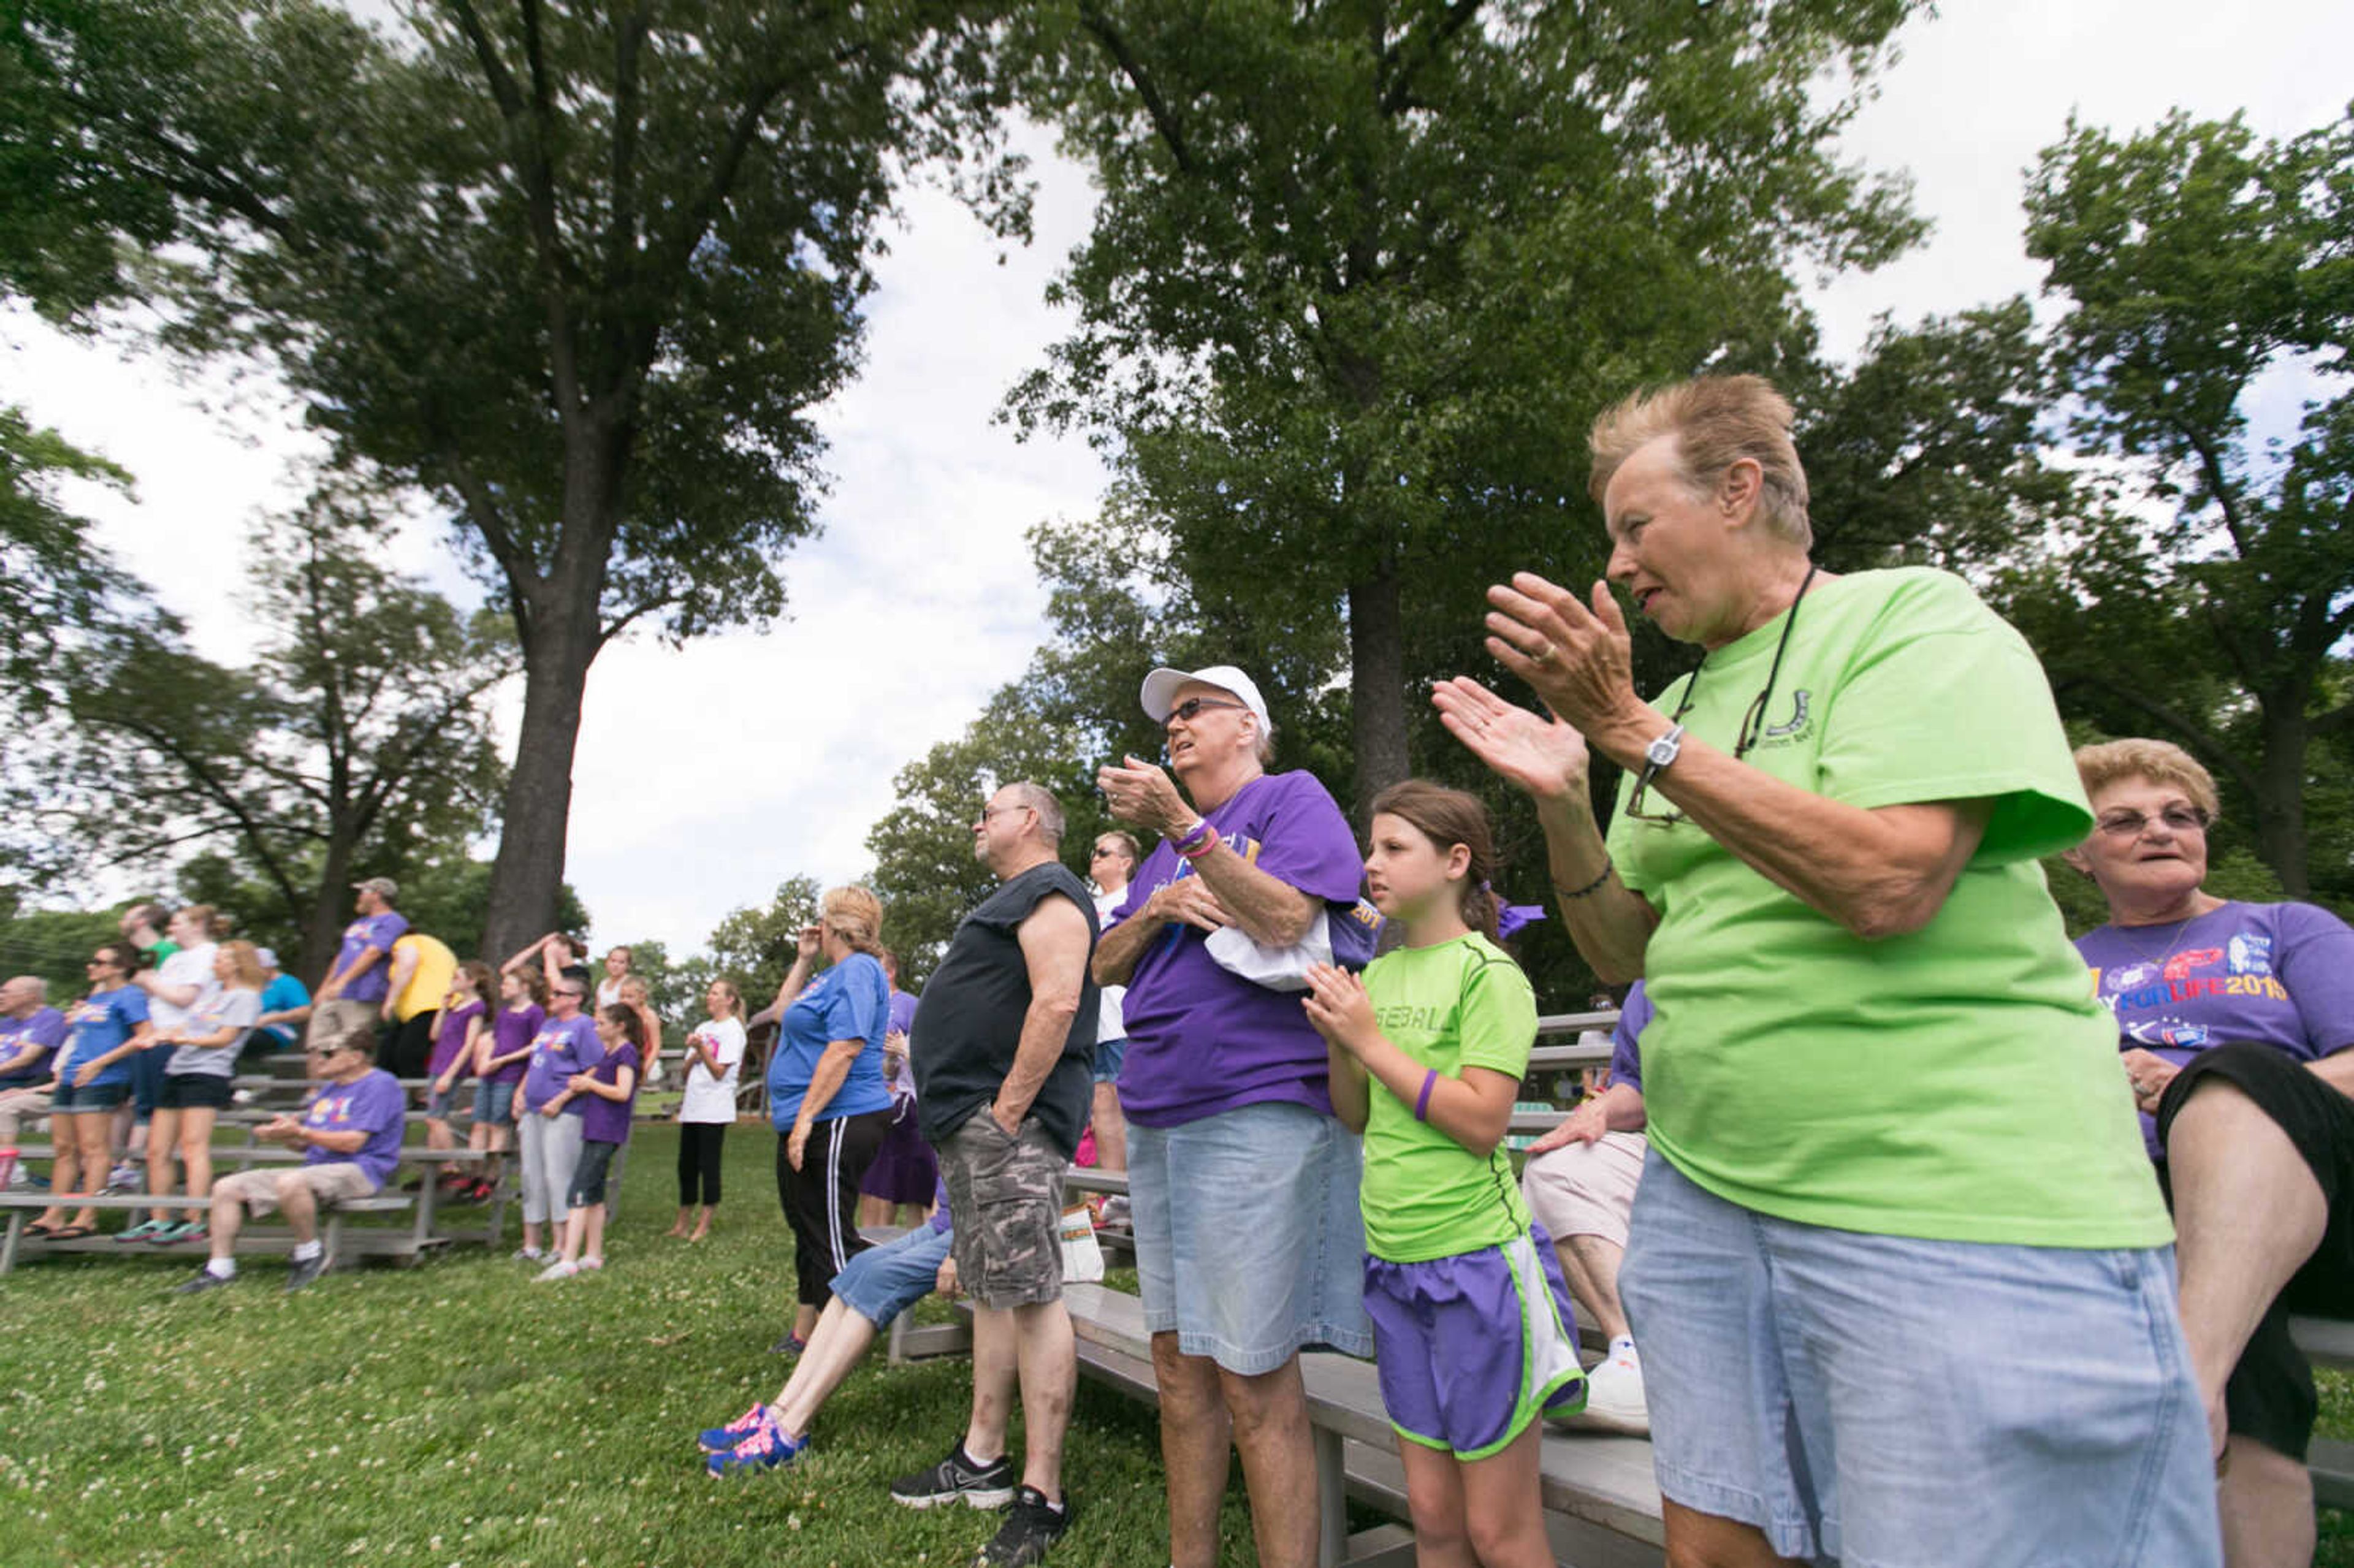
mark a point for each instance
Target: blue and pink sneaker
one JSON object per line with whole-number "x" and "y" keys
{"x": 719, "y": 1439}
{"x": 765, "y": 1449}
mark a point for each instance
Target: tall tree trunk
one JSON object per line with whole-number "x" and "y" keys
{"x": 1377, "y": 686}
{"x": 536, "y": 812}
{"x": 2280, "y": 788}
{"x": 323, "y": 932}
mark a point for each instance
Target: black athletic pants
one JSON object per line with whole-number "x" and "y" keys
{"x": 821, "y": 1199}
{"x": 699, "y": 1143}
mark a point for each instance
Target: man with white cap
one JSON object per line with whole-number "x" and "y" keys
{"x": 356, "y": 986}
{"x": 1243, "y": 1185}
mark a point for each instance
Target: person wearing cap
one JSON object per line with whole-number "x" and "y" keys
{"x": 360, "y": 979}
{"x": 1226, "y": 1095}
{"x": 285, "y": 1001}
{"x": 349, "y": 1134}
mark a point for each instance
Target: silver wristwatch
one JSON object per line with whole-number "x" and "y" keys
{"x": 1661, "y": 752}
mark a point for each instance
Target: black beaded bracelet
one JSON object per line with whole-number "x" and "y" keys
{"x": 1593, "y": 886}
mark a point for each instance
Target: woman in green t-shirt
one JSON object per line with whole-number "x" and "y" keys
{"x": 1471, "y": 1318}
{"x": 1901, "y": 1275}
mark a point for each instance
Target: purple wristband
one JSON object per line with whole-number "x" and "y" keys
{"x": 1422, "y": 1101}
{"x": 1193, "y": 840}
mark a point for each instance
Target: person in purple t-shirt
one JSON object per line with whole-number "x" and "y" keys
{"x": 2233, "y": 1022}
{"x": 362, "y": 973}
{"x": 30, "y": 1029}
{"x": 550, "y": 1122}
{"x": 1243, "y": 1184}
{"x": 350, "y": 1137}
{"x": 608, "y": 1092}
{"x": 504, "y": 1052}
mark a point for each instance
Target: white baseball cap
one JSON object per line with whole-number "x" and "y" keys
{"x": 1160, "y": 689}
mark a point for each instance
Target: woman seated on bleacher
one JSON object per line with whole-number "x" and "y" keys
{"x": 2234, "y": 1021}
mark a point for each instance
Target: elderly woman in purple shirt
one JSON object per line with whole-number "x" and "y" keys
{"x": 2233, "y": 1022}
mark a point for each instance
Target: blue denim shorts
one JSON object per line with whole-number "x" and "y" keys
{"x": 883, "y": 1281}
{"x": 494, "y": 1103}
{"x": 1249, "y": 1247}
{"x": 1109, "y": 1054}
{"x": 1878, "y": 1399}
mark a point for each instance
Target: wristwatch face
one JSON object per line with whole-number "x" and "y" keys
{"x": 1662, "y": 751}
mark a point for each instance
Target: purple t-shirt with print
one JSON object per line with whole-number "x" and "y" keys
{"x": 447, "y": 1044}
{"x": 608, "y": 1121}
{"x": 513, "y": 1030}
{"x": 562, "y": 1047}
{"x": 40, "y": 1033}
{"x": 1202, "y": 1040}
{"x": 369, "y": 932}
{"x": 374, "y": 1105}
{"x": 2265, "y": 974}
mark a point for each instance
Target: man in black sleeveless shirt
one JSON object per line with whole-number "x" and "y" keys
{"x": 1004, "y": 1055}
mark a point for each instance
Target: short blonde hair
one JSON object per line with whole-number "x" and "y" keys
{"x": 2159, "y": 762}
{"x": 1717, "y": 420}
{"x": 854, "y": 915}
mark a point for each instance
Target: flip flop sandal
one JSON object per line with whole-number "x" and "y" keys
{"x": 40, "y": 1230}
{"x": 72, "y": 1232}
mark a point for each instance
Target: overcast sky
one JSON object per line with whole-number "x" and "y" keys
{"x": 706, "y": 775}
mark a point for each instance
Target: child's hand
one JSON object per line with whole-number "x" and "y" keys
{"x": 1338, "y": 1006}
{"x": 578, "y": 1083}
{"x": 946, "y": 1282}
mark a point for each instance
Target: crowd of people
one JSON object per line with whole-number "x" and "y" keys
{"x": 1906, "y": 1220}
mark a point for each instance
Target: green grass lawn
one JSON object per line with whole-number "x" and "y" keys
{"x": 455, "y": 1413}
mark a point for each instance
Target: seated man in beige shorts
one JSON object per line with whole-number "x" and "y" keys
{"x": 1580, "y": 1184}
{"x": 349, "y": 1134}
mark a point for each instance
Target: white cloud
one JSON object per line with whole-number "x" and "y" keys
{"x": 705, "y": 776}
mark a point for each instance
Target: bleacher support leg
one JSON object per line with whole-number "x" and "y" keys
{"x": 1332, "y": 1499}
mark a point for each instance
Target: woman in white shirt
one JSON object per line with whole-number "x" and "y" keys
{"x": 714, "y": 1055}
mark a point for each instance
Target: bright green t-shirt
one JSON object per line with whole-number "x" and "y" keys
{"x": 1457, "y": 1004}
{"x": 1957, "y": 1083}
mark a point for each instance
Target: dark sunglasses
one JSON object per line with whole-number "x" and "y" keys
{"x": 1191, "y": 708}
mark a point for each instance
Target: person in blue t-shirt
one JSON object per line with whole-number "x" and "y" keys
{"x": 826, "y": 1095}
{"x": 104, "y": 1030}
{"x": 285, "y": 1005}
{"x": 349, "y": 1134}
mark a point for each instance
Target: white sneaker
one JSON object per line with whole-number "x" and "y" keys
{"x": 530, "y": 1255}
{"x": 1614, "y": 1395}
{"x": 559, "y": 1269}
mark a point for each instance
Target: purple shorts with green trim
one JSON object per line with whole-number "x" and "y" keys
{"x": 1472, "y": 1348}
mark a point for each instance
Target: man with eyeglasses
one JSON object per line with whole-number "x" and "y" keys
{"x": 1002, "y": 1051}
{"x": 1243, "y": 1186}
{"x": 1110, "y": 863}
{"x": 350, "y": 1137}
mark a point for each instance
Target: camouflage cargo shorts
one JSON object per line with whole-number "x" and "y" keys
{"x": 1006, "y": 1200}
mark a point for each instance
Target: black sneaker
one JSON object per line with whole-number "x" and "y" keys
{"x": 304, "y": 1271}
{"x": 958, "y": 1478}
{"x": 206, "y": 1279}
{"x": 1031, "y": 1525}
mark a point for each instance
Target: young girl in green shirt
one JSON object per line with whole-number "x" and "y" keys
{"x": 1472, "y": 1326}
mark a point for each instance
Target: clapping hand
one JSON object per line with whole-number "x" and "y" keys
{"x": 1543, "y": 756}
{"x": 1139, "y": 792}
{"x": 1587, "y": 1124}
{"x": 1338, "y": 1006}
{"x": 1577, "y": 656}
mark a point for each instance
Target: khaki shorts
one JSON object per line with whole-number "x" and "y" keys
{"x": 331, "y": 1019}
{"x": 1586, "y": 1189}
{"x": 1005, "y": 1204}
{"x": 333, "y": 1182}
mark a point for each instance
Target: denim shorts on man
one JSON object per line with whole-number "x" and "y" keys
{"x": 1249, "y": 1245}
{"x": 1005, "y": 1201}
{"x": 883, "y": 1281}
{"x": 1895, "y": 1403}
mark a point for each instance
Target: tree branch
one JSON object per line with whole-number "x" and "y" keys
{"x": 2201, "y": 739}
{"x": 1164, "y": 120}
{"x": 2219, "y": 484}
{"x": 1398, "y": 95}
